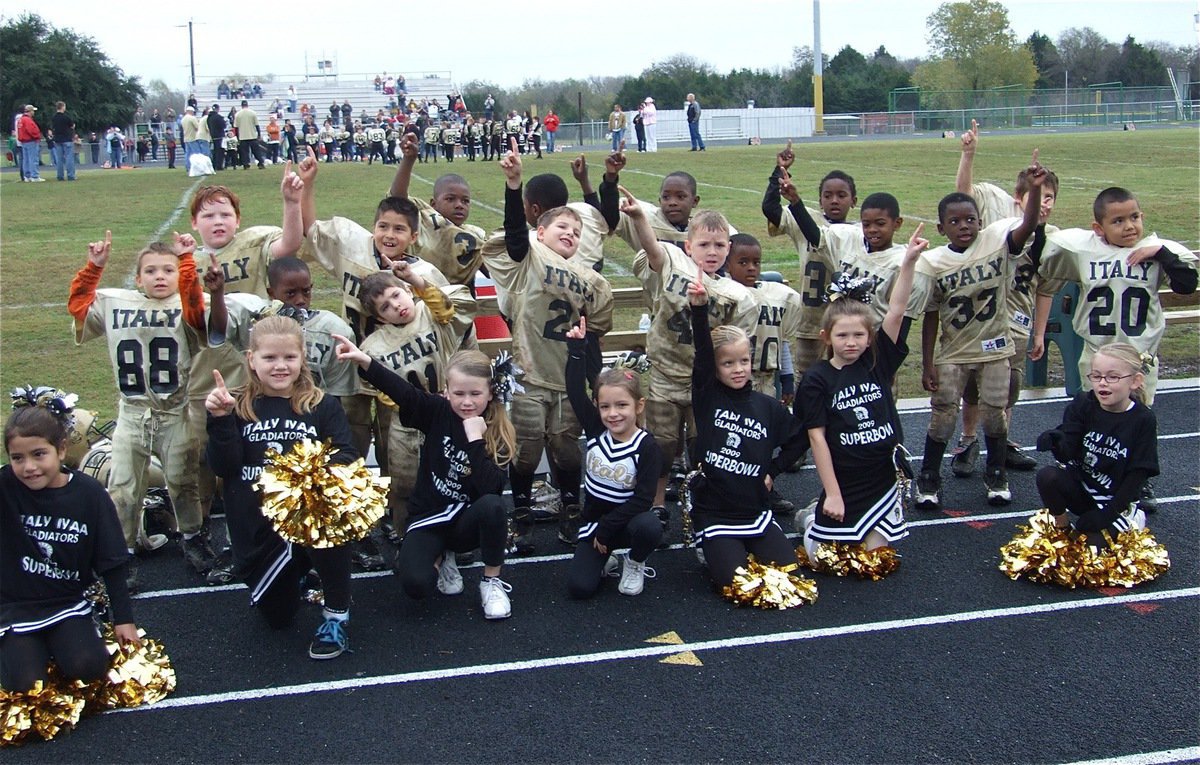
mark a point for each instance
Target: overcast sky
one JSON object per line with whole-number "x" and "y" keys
{"x": 468, "y": 37}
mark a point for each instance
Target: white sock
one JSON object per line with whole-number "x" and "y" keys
{"x": 340, "y": 616}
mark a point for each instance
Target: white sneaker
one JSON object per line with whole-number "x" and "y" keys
{"x": 806, "y": 516}
{"x": 493, "y": 591}
{"x": 633, "y": 576}
{"x": 449, "y": 581}
{"x": 37, "y": 180}
{"x": 611, "y": 565}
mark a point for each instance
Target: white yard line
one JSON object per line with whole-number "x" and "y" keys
{"x": 1187, "y": 754}
{"x": 652, "y": 651}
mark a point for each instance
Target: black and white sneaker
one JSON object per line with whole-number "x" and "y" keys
{"x": 997, "y": 487}
{"x": 928, "y": 485}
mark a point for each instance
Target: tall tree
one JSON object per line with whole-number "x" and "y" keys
{"x": 1086, "y": 55}
{"x": 40, "y": 65}
{"x": 1046, "y": 59}
{"x": 974, "y": 49}
{"x": 1137, "y": 65}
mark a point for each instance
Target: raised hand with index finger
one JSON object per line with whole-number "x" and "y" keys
{"x": 785, "y": 158}
{"x": 614, "y": 163}
{"x": 970, "y": 138}
{"x": 510, "y": 163}
{"x": 291, "y": 185}
{"x": 629, "y": 204}
{"x": 579, "y": 331}
{"x": 214, "y": 275}
{"x": 307, "y": 169}
{"x": 219, "y": 402}
{"x": 98, "y": 252}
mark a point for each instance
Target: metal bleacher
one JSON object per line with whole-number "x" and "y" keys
{"x": 320, "y": 92}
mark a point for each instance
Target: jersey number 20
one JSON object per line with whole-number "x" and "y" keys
{"x": 1135, "y": 303}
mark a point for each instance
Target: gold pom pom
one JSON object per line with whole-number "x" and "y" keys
{"x": 768, "y": 586}
{"x": 841, "y": 559}
{"x": 45, "y": 710}
{"x": 314, "y": 503}
{"x": 1046, "y": 554}
{"x": 137, "y": 674}
{"x": 15, "y": 718}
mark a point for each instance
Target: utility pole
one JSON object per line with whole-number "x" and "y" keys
{"x": 818, "y": 72}
{"x": 191, "y": 52}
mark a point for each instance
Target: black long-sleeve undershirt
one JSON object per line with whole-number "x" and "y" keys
{"x": 610, "y": 202}
{"x": 772, "y": 208}
{"x": 516, "y": 230}
{"x": 1180, "y": 275}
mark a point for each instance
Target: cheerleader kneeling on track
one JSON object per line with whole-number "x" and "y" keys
{"x": 846, "y": 404}
{"x": 1108, "y": 444}
{"x": 738, "y": 431}
{"x": 58, "y": 531}
{"x": 622, "y": 462}
{"x": 456, "y": 504}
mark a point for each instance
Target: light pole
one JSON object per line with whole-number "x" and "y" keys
{"x": 191, "y": 52}
{"x": 818, "y": 73}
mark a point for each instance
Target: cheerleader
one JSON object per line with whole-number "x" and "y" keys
{"x": 58, "y": 532}
{"x": 1108, "y": 441}
{"x": 621, "y": 462}
{"x": 846, "y": 404}
{"x": 738, "y": 431}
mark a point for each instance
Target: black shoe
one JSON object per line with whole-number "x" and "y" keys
{"x": 964, "y": 457}
{"x": 568, "y": 525}
{"x": 368, "y": 556}
{"x": 222, "y": 570}
{"x": 520, "y": 538}
{"x": 664, "y": 517}
{"x": 1015, "y": 459}
{"x": 1147, "y": 502}
{"x": 796, "y": 466}
{"x": 928, "y": 485}
{"x": 198, "y": 552}
{"x": 779, "y": 505}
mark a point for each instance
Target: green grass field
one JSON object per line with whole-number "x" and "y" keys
{"x": 45, "y": 228}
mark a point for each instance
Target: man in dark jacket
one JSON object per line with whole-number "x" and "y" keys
{"x": 216, "y": 129}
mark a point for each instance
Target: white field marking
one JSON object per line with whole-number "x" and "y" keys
{"x": 1021, "y": 514}
{"x": 609, "y": 264}
{"x": 1148, "y": 758}
{"x": 474, "y": 201}
{"x": 567, "y": 556}
{"x": 758, "y": 192}
{"x": 753, "y": 641}
{"x": 167, "y": 224}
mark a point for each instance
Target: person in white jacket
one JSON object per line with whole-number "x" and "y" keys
{"x": 650, "y": 120}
